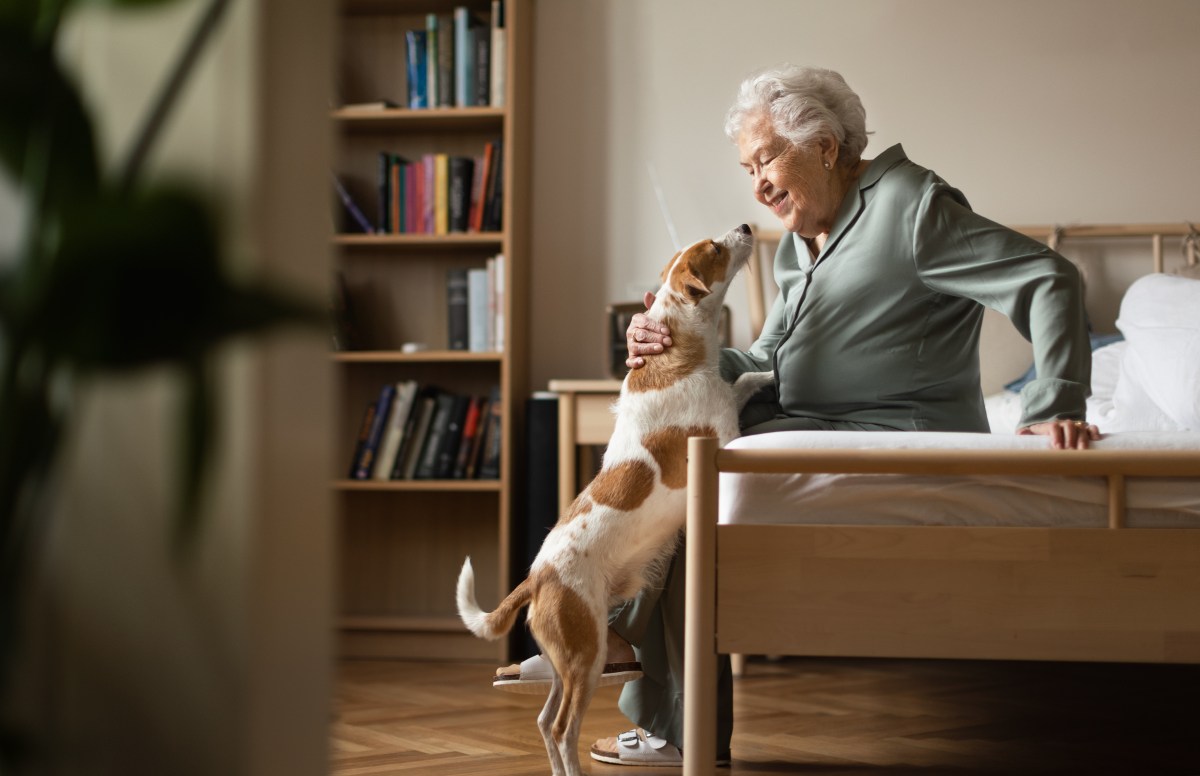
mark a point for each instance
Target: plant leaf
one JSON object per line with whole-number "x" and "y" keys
{"x": 197, "y": 441}
{"x": 46, "y": 138}
{"x": 137, "y": 280}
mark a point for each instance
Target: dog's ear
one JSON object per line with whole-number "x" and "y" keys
{"x": 693, "y": 286}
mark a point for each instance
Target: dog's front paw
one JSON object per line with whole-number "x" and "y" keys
{"x": 750, "y": 383}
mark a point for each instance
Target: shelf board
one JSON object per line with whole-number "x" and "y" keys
{"x": 420, "y": 357}
{"x": 380, "y": 622}
{"x": 468, "y": 486}
{"x": 445, "y": 241}
{"x": 394, "y": 119}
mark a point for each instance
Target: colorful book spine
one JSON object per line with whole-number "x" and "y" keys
{"x": 415, "y": 42}
{"x": 366, "y": 459}
{"x": 464, "y": 58}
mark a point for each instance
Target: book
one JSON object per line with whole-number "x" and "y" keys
{"x": 416, "y": 431}
{"x": 429, "y": 191}
{"x": 497, "y": 300}
{"x": 480, "y": 192}
{"x": 445, "y": 96}
{"x": 432, "y": 42}
{"x": 489, "y": 463}
{"x": 352, "y": 209}
{"x": 477, "y": 440}
{"x": 470, "y": 432}
{"x": 393, "y": 435}
{"x": 462, "y": 173}
{"x": 478, "y": 336}
{"x": 457, "y": 320}
{"x": 494, "y": 196}
{"x": 384, "y": 183}
{"x": 415, "y": 60}
{"x": 396, "y": 193}
{"x": 464, "y": 57}
{"x": 447, "y": 453}
{"x": 411, "y": 207}
{"x": 366, "y": 458}
{"x": 441, "y": 189}
{"x": 427, "y": 465}
{"x": 364, "y": 432}
{"x": 499, "y": 76}
{"x": 481, "y": 39}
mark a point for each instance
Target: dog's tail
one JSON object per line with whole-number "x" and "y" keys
{"x": 489, "y": 625}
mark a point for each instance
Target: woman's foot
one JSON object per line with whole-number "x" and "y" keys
{"x": 641, "y": 747}
{"x": 533, "y": 675}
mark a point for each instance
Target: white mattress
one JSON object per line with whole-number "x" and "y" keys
{"x": 891, "y": 499}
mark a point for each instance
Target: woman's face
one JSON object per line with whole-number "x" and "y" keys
{"x": 790, "y": 180}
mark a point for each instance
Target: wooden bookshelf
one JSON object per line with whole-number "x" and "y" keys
{"x": 402, "y": 542}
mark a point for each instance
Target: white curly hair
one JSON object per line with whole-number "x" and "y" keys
{"x": 803, "y": 103}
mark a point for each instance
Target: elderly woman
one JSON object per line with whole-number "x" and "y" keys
{"x": 882, "y": 288}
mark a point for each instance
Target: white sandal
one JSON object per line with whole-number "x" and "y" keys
{"x": 637, "y": 747}
{"x": 533, "y": 676}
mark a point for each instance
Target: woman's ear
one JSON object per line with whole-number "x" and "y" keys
{"x": 829, "y": 149}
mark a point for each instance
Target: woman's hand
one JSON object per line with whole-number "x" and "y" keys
{"x": 1065, "y": 434}
{"x": 645, "y": 336}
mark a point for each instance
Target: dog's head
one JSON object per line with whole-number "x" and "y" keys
{"x": 699, "y": 275}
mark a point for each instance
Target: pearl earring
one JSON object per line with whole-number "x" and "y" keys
{"x": 827, "y": 165}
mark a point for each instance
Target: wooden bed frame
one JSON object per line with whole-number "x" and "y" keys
{"x": 1004, "y": 593}
{"x": 1001, "y": 593}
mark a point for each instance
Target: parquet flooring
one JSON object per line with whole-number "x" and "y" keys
{"x": 809, "y": 716}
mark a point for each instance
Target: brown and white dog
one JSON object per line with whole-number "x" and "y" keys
{"x": 621, "y": 529}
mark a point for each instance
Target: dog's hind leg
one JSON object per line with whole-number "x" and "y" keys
{"x": 579, "y": 680}
{"x": 546, "y": 723}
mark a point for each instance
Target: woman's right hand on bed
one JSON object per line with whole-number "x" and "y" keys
{"x": 1065, "y": 434}
{"x": 645, "y": 336}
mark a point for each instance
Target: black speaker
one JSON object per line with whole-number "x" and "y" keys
{"x": 531, "y": 524}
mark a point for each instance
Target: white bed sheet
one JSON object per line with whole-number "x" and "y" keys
{"x": 891, "y": 499}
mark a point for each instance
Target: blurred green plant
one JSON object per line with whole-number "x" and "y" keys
{"x": 112, "y": 273}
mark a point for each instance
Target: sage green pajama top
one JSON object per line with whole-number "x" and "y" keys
{"x": 883, "y": 327}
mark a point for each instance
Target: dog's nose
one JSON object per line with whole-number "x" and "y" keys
{"x": 744, "y": 229}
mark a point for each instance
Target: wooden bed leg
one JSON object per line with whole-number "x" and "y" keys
{"x": 700, "y": 643}
{"x": 738, "y": 662}
{"x": 1116, "y": 501}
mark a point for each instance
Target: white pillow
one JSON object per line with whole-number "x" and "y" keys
{"x": 1160, "y": 318}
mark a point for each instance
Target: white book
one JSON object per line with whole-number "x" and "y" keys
{"x": 499, "y": 54}
{"x": 477, "y": 310}
{"x": 498, "y": 303}
{"x": 393, "y": 433}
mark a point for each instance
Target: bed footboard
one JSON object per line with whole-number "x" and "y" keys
{"x": 1115, "y": 594}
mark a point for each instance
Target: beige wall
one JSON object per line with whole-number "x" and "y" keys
{"x": 217, "y": 663}
{"x": 1041, "y": 112}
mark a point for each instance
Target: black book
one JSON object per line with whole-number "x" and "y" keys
{"x": 489, "y": 464}
{"x": 415, "y": 432}
{"x": 483, "y": 65}
{"x": 462, "y": 175}
{"x": 427, "y": 466}
{"x": 451, "y": 439}
{"x": 457, "y": 320}
{"x": 384, "y": 182}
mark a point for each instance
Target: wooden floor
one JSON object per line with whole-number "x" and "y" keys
{"x": 802, "y": 716}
